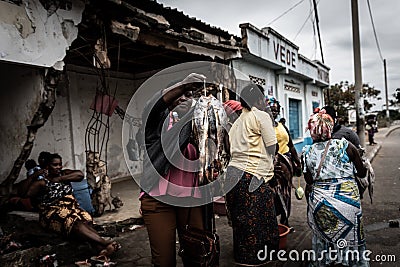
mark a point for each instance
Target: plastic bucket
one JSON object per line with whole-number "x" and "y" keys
{"x": 283, "y": 232}
{"x": 82, "y": 194}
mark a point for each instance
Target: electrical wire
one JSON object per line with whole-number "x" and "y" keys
{"x": 373, "y": 27}
{"x": 287, "y": 11}
{"x": 304, "y": 24}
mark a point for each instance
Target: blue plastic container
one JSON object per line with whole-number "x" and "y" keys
{"x": 82, "y": 194}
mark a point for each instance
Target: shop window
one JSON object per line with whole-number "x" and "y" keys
{"x": 295, "y": 118}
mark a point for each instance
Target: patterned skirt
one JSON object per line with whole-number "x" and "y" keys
{"x": 254, "y": 222}
{"x": 335, "y": 218}
{"x": 61, "y": 215}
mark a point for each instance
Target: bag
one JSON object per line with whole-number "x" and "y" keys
{"x": 299, "y": 192}
{"x": 132, "y": 150}
{"x": 132, "y": 147}
{"x": 199, "y": 247}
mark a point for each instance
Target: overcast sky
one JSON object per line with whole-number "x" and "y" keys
{"x": 335, "y": 27}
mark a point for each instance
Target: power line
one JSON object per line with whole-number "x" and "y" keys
{"x": 304, "y": 24}
{"x": 373, "y": 27}
{"x": 284, "y": 13}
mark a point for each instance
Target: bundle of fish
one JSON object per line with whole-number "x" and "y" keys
{"x": 209, "y": 129}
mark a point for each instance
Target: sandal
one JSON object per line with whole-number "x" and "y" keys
{"x": 110, "y": 263}
{"x": 84, "y": 263}
{"x": 100, "y": 259}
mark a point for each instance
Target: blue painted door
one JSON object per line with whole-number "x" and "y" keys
{"x": 294, "y": 118}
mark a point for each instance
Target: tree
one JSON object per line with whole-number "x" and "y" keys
{"x": 341, "y": 97}
{"x": 397, "y": 95}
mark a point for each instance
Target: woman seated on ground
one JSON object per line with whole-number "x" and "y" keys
{"x": 59, "y": 210}
{"x": 334, "y": 206}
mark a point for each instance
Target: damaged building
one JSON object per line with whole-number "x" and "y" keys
{"x": 58, "y": 55}
{"x": 62, "y": 62}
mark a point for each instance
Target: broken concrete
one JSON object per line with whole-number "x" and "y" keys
{"x": 39, "y": 36}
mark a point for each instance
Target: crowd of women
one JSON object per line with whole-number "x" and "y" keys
{"x": 262, "y": 163}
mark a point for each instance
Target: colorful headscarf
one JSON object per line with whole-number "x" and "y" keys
{"x": 271, "y": 101}
{"x": 320, "y": 125}
{"x": 232, "y": 106}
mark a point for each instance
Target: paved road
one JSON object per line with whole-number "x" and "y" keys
{"x": 381, "y": 239}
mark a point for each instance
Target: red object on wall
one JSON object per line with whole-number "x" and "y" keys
{"x": 104, "y": 104}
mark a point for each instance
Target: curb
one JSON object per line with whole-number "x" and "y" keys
{"x": 373, "y": 153}
{"x": 392, "y": 129}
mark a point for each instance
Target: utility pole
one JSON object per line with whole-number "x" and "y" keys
{"x": 387, "y": 97}
{"x": 319, "y": 34}
{"x": 359, "y": 99}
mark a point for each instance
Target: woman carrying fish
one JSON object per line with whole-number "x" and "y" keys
{"x": 165, "y": 136}
{"x": 251, "y": 201}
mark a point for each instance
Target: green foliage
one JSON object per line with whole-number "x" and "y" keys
{"x": 393, "y": 114}
{"x": 397, "y": 97}
{"x": 342, "y": 97}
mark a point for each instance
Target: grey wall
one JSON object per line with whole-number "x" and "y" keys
{"x": 21, "y": 88}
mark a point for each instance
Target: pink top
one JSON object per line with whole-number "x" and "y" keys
{"x": 177, "y": 182}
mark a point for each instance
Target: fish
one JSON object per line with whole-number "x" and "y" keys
{"x": 210, "y": 135}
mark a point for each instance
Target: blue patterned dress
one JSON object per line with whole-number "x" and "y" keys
{"x": 334, "y": 206}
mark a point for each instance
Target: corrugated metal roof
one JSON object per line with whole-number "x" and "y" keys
{"x": 178, "y": 19}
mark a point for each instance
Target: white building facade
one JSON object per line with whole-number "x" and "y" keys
{"x": 273, "y": 62}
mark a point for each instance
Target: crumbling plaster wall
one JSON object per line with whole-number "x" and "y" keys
{"x": 32, "y": 35}
{"x": 82, "y": 84}
{"x": 20, "y": 95}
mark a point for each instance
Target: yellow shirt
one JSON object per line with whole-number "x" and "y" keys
{"x": 251, "y": 133}
{"x": 282, "y": 138}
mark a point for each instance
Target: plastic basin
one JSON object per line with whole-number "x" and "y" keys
{"x": 283, "y": 232}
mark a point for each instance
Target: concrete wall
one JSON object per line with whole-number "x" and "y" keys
{"x": 64, "y": 132}
{"x": 32, "y": 35}
{"x": 81, "y": 94}
{"x": 285, "y": 87}
{"x": 20, "y": 94}
{"x": 270, "y": 46}
{"x": 248, "y": 69}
